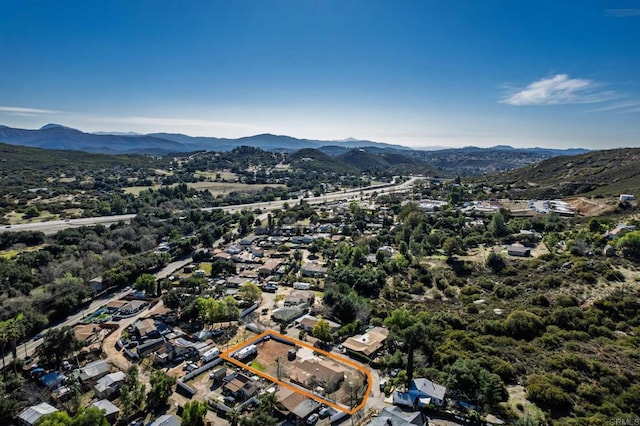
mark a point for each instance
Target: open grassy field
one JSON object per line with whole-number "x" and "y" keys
{"x": 224, "y": 175}
{"x": 15, "y": 217}
{"x": 214, "y": 187}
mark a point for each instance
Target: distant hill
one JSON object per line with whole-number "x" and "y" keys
{"x": 365, "y": 160}
{"x": 359, "y": 160}
{"x": 473, "y": 160}
{"x": 309, "y": 159}
{"x": 56, "y": 136}
{"x": 609, "y": 172}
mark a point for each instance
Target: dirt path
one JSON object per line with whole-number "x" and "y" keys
{"x": 112, "y": 353}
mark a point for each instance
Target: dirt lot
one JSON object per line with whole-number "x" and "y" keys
{"x": 591, "y": 206}
{"x": 268, "y": 353}
{"x": 351, "y": 390}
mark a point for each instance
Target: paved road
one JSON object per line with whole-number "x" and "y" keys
{"x": 53, "y": 226}
{"x": 29, "y": 347}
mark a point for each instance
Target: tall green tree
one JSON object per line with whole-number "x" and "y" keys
{"x": 146, "y": 283}
{"x": 193, "y": 413}
{"x": 497, "y": 226}
{"x": 57, "y": 344}
{"x": 11, "y": 331}
{"x": 161, "y": 389}
{"x": 250, "y": 292}
{"x": 322, "y": 331}
{"x": 132, "y": 393}
{"x": 91, "y": 416}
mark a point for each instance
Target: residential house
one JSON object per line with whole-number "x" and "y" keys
{"x": 426, "y": 389}
{"x": 109, "y": 384}
{"x": 146, "y": 329}
{"x": 240, "y": 386}
{"x": 398, "y": 417}
{"x": 367, "y": 344}
{"x": 166, "y": 420}
{"x": 235, "y": 282}
{"x": 307, "y": 322}
{"x": 31, "y": 415}
{"x": 297, "y": 298}
{"x": 518, "y": 249}
{"x": 270, "y": 267}
{"x": 233, "y": 250}
{"x": 111, "y": 412}
{"x": 132, "y": 307}
{"x": 313, "y": 270}
{"x": 150, "y": 346}
{"x": 311, "y": 373}
{"x": 92, "y": 372}
{"x": 294, "y": 403}
{"x": 287, "y": 314}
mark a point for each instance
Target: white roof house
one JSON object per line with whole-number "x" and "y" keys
{"x": 109, "y": 384}
{"x": 31, "y": 415}
{"x": 166, "y": 420}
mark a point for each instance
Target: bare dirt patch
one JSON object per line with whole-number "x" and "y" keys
{"x": 270, "y": 351}
{"x": 591, "y": 206}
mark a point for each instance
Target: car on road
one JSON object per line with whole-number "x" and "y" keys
{"x": 313, "y": 419}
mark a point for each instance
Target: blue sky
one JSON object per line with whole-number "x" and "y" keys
{"x": 418, "y": 73}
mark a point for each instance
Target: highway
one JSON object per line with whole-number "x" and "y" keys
{"x": 53, "y": 226}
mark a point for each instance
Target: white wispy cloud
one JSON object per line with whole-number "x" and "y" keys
{"x": 22, "y": 111}
{"x": 621, "y": 106}
{"x": 622, "y": 13}
{"x": 559, "y": 89}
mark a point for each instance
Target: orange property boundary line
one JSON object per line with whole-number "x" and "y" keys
{"x": 225, "y": 355}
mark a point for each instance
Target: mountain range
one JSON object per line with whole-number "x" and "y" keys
{"x": 56, "y": 136}
{"x": 464, "y": 161}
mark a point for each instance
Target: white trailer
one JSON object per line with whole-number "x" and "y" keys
{"x": 301, "y": 285}
{"x": 246, "y": 352}
{"x": 210, "y": 354}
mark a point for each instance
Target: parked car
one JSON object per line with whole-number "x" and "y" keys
{"x": 395, "y": 372}
{"x": 313, "y": 419}
{"x": 270, "y": 288}
{"x": 383, "y": 385}
{"x": 324, "y": 412}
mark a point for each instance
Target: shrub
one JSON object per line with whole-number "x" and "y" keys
{"x": 524, "y": 325}
{"x": 542, "y": 390}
